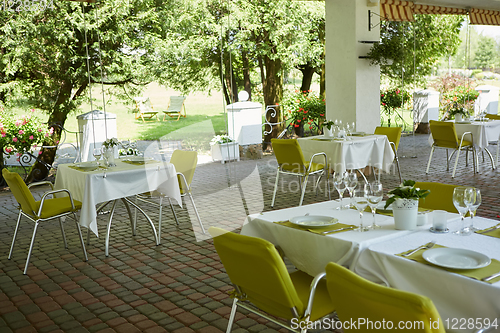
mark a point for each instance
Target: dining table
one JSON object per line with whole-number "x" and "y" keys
{"x": 94, "y": 184}
{"x": 354, "y": 152}
{"x": 374, "y": 255}
{"x": 464, "y": 302}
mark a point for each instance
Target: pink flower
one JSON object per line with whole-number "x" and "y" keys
{"x": 47, "y": 135}
{"x": 18, "y": 159}
{"x": 21, "y": 132}
{"x": 3, "y": 135}
{"x": 18, "y": 154}
{"x": 14, "y": 139}
{"x": 32, "y": 110}
{"x": 51, "y": 130}
{"x": 31, "y": 137}
{"x": 39, "y": 130}
{"x": 18, "y": 123}
{"x": 40, "y": 152}
{"x": 8, "y": 149}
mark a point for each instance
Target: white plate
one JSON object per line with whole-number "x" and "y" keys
{"x": 138, "y": 159}
{"x": 381, "y": 206}
{"x": 456, "y": 258}
{"x": 313, "y": 221}
{"x": 89, "y": 166}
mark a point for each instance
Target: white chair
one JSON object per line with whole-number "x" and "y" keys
{"x": 144, "y": 108}
{"x": 175, "y": 107}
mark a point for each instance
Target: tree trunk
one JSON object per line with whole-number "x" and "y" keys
{"x": 247, "y": 84}
{"x": 230, "y": 80}
{"x": 273, "y": 92}
{"x": 58, "y": 116}
{"x": 307, "y": 75}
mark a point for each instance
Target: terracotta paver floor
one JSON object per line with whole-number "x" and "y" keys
{"x": 179, "y": 286}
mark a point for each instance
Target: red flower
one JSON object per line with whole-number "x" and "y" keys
{"x": 296, "y": 125}
{"x": 381, "y": 95}
{"x": 322, "y": 114}
{"x": 383, "y": 104}
{"x": 298, "y": 120}
{"x": 305, "y": 112}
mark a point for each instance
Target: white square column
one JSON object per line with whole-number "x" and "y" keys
{"x": 352, "y": 84}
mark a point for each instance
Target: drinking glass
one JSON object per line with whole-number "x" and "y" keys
{"x": 460, "y": 202}
{"x": 375, "y": 195}
{"x": 339, "y": 182}
{"x": 351, "y": 183}
{"x": 360, "y": 201}
{"x": 473, "y": 200}
{"x": 97, "y": 152}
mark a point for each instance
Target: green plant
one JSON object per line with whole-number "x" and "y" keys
{"x": 303, "y": 107}
{"x": 393, "y": 98}
{"x": 460, "y": 100}
{"x": 110, "y": 143}
{"x": 220, "y": 139}
{"x": 329, "y": 124}
{"x": 407, "y": 190}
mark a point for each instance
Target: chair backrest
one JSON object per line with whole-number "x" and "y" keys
{"x": 441, "y": 196}
{"x": 143, "y": 104}
{"x": 493, "y": 116}
{"x": 255, "y": 267}
{"x": 354, "y": 297}
{"x": 393, "y": 134}
{"x": 185, "y": 162}
{"x": 176, "y": 103}
{"x": 444, "y": 133}
{"x": 21, "y": 192}
{"x": 289, "y": 154}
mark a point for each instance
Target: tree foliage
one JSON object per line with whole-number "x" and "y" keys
{"x": 415, "y": 47}
{"x": 485, "y": 55}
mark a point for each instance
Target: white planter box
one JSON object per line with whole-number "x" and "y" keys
{"x": 225, "y": 152}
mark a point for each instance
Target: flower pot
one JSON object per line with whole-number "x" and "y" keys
{"x": 225, "y": 151}
{"x": 328, "y": 132}
{"x": 405, "y": 213}
{"x": 458, "y": 117}
{"x": 109, "y": 156}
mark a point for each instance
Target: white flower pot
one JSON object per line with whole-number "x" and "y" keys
{"x": 328, "y": 132}
{"x": 225, "y": 152}
{"x": 405, "y": 213}
{"x": 458, "y": 117}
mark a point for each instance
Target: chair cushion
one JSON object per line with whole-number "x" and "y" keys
{"x": 315, "y": 166}
{"x": 322, "y": 303}
{"x": 56, "y": 206}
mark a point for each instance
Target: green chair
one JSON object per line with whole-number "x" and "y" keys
{"x": 495, "y": 117}
{"x": 185, "y": 162}
{"x": 441, "y": 196}
{"x": 355, "y": 297}
{"x": 263, "y": 285}
{"x": 394, "y": 136}
{"x": 291, "y": 162}
{"x": 42, "y": 210}
{"x": 445, "y": 136}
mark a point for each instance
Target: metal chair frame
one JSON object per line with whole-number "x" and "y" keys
{"x": 39, "y": 220}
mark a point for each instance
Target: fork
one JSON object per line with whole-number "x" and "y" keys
{"x": 425, "y": 247}
{"x": 495, "y": 227}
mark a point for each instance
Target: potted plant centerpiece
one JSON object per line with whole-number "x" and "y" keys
{"x": 404, "y": 200}
{"x": 223, "y": 149}
{"x": 108, "y": 151}
{"x": 458, "y": 111}
{"x": 328, "y": 128}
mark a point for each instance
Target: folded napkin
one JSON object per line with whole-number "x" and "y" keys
{"x": 492, "y": 233}
{"x": 477, "y": 274}
{"x": 318, "y": 230}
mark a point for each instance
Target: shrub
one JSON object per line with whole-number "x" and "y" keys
{"x": 304, "y": 108}
{"x": 393, "y": 98}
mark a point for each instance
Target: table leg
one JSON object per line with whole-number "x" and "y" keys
{"x": 147, "y": 218}
{"x": 106, "y": 250}
{"x": 132, "y": 222}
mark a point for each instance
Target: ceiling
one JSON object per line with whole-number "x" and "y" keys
{"x": 480, "y": 4}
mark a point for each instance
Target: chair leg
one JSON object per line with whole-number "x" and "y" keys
{"x": 275, "y": 186}
{"x": 304, "y": 185}
{"x": 15, "y": 235}
{"x": 232, "y": 315}
{"x": 430, "y": 158}
{"x": 196, "y": 212}
{"x": 448, "y": 160}
{"x": 108, "y": 230}
{"x": 63, "y": 234}
{"x": 81, "y": 238}
{"x": 31, "y": 248}
{"x": 456, "y": 163}
{"x": 397, "y": 165}
{"x": 173, "y": 211}
{"x": 159, "y": 217}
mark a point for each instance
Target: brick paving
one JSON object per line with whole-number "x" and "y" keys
{"x": 179, "y": 286}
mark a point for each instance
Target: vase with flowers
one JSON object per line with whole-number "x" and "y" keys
{"x": 404, "y": 200}
{"x": 108, "y": 151}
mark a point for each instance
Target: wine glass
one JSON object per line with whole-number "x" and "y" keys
{"x": 360, "y": 201}
{"x": 460, "y": 202}
{"x": 473, "y": 200}
{"x": 339, "y": 182}
{"x": 351, "y": 183}
{"x": 97, "y": 152}
{"x": 375, "y": 195}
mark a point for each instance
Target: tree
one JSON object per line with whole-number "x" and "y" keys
{"x": 415, "y": 47}
{"x": 45, "y": 53}
{"x": 485, "y": 55}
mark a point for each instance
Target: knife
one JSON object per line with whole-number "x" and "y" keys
{"x": 332, "y": 231}
{"x": 491, "y": 277}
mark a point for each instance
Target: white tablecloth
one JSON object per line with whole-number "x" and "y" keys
{"x": 355, "y": 153}
{"x": 310, "y": 252}
{"x": 455, "y": 296}
{"x": 121, "y": 181}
